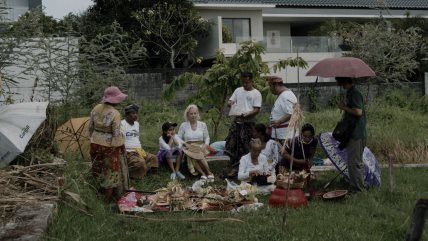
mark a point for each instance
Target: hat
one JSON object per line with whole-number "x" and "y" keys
{"x": 113, "y": 95}
{"x": 274, "y": 79}
{"x": 131, "y": 108}
{"x": 168, "y": 125}
{"x": 195, "y": 152}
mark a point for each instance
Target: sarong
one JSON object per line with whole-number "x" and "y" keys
{"x": 192, "y": 162}
{"x": 238, "y": 141}
{"x": 138, "y": 166}
{"x": 106, "y": 165}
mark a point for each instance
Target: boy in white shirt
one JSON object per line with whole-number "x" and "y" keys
{"x": 139, "y": 161}
{"x": 245, "y": 102}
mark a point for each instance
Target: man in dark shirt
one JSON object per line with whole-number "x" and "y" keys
{"x": 354, "y": 108}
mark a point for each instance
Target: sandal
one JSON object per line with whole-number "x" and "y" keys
{"x": 211, "y": 178}
{"x": 203, "y": 177}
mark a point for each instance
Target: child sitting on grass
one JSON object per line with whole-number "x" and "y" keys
{"x": 254, "y": 163}
{"x": 170, "y": 146}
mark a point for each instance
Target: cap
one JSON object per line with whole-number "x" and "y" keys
{"x": 131, "y": 108}
{"x": 168, "y": 125}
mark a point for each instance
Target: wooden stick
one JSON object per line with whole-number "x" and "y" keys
{"x": 184, "y": 219}
{"x": 390, "y": 172}
{"x": 284, "y": 217}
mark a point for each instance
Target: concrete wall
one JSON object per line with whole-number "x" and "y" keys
{"x": 148, "y": 86}
{"x": 324, "y": 93}
{"x": 284, "y": 30}
{"x": 31, "y": 82}
{"x": 16, "y": 9}
{"x": 292, "y": 75}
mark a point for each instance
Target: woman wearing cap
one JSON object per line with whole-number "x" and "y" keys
{"x": 171, "y": 148}
{"x": 254, "y": 163}
{"x": 195, "y": 132}
{"x": 107, "y": 141}
{"x": 139, "y": 161}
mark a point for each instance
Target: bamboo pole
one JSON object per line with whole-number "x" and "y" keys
{"x": 284, "y": 217}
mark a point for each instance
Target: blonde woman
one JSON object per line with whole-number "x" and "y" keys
{"x": 194, "y": 131}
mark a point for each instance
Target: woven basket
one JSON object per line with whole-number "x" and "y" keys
{"x": 295, "y": 185}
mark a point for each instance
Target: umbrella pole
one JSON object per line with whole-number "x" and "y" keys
{"x": 332, "y": 180}
{"x": 284, "y": 217}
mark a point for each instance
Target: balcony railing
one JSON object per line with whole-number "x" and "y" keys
{"x": 291, "y": 44}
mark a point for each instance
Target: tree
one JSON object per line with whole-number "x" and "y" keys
{"x": 390, "y": 53}
{"x": 172, "y": 27}
{"x": 218, "y": 83}
{"x": 105, "y": 60}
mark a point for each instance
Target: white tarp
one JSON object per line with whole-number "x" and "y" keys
{"x": 18, "y": 123}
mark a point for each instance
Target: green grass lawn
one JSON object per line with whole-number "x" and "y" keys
{"x": 375, "y": 215}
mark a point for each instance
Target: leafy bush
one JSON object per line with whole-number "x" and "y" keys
{"x": 402, "y": 99}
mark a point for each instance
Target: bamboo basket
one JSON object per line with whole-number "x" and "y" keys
{"x": 293, "y": 185}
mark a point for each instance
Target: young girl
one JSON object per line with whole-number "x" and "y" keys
{"x": 170, "y": 146}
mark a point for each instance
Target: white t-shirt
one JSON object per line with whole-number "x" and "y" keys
{"x": 131, "y": 134}
{"x": 200, "y": 134}
{"x": 245, "y": 101}
{"x": 283, "y": 106}
{"x": 246, "y": 166}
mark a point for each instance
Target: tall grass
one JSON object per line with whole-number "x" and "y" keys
{"x": 397, "y": 124}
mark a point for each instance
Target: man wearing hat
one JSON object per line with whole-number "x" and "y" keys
{"x": 282, "y": 109}
{"x": 139, "y": 161}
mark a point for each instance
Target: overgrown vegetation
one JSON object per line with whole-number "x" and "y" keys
{"x": 395, "y": 49}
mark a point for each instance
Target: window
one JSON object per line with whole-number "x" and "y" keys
{"x": 236, "y": 30}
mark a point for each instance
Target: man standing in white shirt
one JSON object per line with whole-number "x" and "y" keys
{"x": 139, "y": 162}
{"x": 281, "y": 110}
{"x": 245, "y": 102}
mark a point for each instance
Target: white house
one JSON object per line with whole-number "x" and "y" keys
{"x": 13, "y": 9}
{"x": 283, "y": 26}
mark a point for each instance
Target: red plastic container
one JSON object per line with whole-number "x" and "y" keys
{"x": 296, "y": 198}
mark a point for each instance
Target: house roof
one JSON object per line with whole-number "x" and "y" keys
{"x": 393, "y": 4}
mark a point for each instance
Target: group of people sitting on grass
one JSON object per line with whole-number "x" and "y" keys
{"x": 111, "y": 137}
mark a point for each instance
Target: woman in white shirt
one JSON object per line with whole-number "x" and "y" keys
{"x": 194, "y": 131}
{"x": 254, "y": 163}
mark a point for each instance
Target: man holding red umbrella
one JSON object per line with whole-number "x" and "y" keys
{"x": 355, "y": 113}
{"x": 345, "y": 146}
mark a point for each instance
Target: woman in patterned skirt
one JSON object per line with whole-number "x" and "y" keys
{"x": 107, "y": 141}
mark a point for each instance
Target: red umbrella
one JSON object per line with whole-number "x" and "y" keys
{"x": 341, "y": 67}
